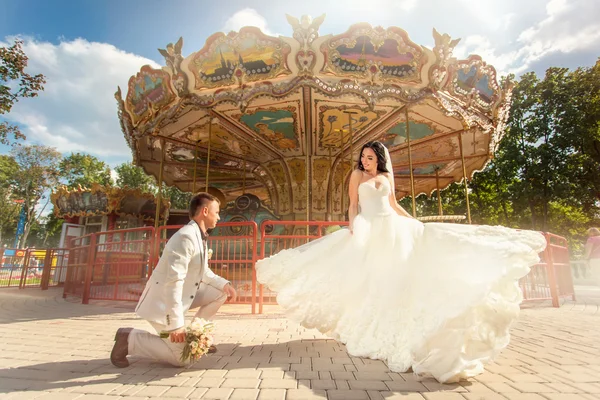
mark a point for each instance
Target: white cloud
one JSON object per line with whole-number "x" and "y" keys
{"x": 569, "y": 26}
{"x": 247, "y": 17}
{"x": 77, "y": 110}
{"x": 482, "y": 46}
{"x": 516, "y": 42}
{"x": 407, "y": 5}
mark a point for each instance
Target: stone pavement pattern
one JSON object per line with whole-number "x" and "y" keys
{"x": 56, "y": 349}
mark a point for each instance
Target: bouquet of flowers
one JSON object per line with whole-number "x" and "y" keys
{"x": 198, "y": 339}
{"x": 210, "y": 253}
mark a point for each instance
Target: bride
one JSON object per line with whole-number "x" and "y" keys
{"x": 437, "y": 298}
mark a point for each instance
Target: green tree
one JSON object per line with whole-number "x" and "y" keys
{"x": 15, "y": 83}
{"x": 179, "y": 200}
{"x": 84, "y": 170}
{"x": 50, "y": 230}
{"x": 134, "y": 177}
{"x": 9, "y": 208}
{"x": 38, "y": 172}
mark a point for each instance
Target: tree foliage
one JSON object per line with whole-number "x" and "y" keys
{"x": 15, "y": 84}
{"x": 34, "y": 170}
{"x": 83, "y": 170}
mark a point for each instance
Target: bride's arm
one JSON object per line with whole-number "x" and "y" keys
{"x": 393, "y": 202}
{"x": 353, "y": 194}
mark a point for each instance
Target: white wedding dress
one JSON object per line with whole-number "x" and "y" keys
{"x": 437, "y": 298}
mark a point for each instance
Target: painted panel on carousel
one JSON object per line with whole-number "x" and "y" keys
{"x": 246, "y": 56}
{"x": 297, "y": 168}
{"x": 334, "y": 126}
{"x": 366, "y": 52}
{"x": 476, "y": 81}
{"x": 278, "y": 171}
{"x": 341, "y": 171}
{"x": 321, "y": 171}
{"x": 396, "y": 135}
{"x": 148, "y": 91}
{"x": 277, "y": 126}
{"x": 81, "y": 203}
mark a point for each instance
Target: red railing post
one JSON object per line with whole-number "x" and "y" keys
{"x": 254, "y": 259}
{"x": 551, "y": 271}
{"x": 89, "y": 270}
{"x": 25, "y": 269}
{"x": 47, "y": 269}
{"x": 262, "y": 255}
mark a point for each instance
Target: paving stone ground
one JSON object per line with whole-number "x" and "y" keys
{"x": 52, "y": 348}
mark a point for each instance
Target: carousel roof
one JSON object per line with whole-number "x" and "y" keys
{"x": 270, "y": 106}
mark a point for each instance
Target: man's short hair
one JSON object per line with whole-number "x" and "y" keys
{"x": 199, "y": 201}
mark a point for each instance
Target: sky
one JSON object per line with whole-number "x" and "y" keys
{"x": 88, "y": 48}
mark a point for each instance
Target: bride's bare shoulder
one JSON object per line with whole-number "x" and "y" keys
{"x": 357, "y": 173}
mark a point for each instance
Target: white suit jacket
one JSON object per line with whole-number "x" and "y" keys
{"x": 173, "y": 285}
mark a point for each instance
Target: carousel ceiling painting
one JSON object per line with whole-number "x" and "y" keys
{"x": 283, "y": 118}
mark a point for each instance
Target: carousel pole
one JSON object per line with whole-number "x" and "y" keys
{"x": 351, "y": 136}
{"x": 195, "y": 166}
{"x": 343, "y": 167}
{"x": 329, "y": 207}
{"x": 160, "y": 181}
{"x": 308, "y": 183}
{"x": 412, "y": 177}
{"x": 244, "y": 181}
{"x": 464, "y": 168}
{"x": 437, "y": 188}
{"x": 208, "y": 153}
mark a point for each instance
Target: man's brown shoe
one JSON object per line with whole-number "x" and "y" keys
{"x": 118, "y": 355}
{"x": 212, "y": 349}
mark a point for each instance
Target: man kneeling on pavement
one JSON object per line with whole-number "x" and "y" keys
{"x": 181, "y": 280}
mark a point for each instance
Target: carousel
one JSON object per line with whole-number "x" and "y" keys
{"x": 283, "y": 118}
{"x": 104, "y": 208}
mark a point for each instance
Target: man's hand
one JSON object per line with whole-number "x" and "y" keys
{"x": 178, "y": 335}
{"x": 230, "y": 292}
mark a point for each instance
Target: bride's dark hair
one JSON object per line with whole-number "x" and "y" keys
{"x": 379, "y": 150}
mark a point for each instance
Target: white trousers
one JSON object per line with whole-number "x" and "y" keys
{"x": 147, "y": 345}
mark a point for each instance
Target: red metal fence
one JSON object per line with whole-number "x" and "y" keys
{"x": 551, "y": 279}
{"x": 11, "y": 267}
{"x": 234, "y": 253}
{"x": 81, "y": 255}
{"x": 120, "y": 264}
{"x": 115, "y": 265}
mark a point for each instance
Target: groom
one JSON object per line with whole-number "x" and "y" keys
{"x": 181, "y": 280}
